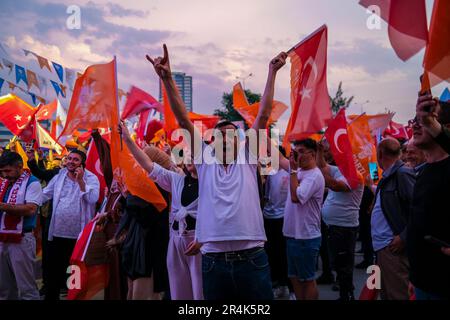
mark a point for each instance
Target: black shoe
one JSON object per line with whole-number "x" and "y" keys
{"x": 363, "y": 265}
{"x": 325, "y": 279}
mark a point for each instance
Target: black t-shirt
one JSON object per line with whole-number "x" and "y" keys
{"x": 429, "y": 267}
{"x": 188, "y": 195}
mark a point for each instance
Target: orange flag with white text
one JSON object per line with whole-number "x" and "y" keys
{"x": 93, "y": 106}
{"x": 362, "y": 143}
{"x": 94, "y": 99}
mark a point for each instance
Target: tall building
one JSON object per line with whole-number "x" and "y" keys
{"x": 184, "y": 85}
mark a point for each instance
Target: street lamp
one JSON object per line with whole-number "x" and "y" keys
{"x": 361, "y": 104}
{"x": 244, "y": 78}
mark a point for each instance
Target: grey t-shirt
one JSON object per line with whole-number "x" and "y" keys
{"x": 277, "y": 186}
{"x": 342, "y": 208}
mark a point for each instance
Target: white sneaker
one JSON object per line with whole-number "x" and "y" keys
{"x": 292, "y": 296}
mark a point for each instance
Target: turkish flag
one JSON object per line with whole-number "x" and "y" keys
{"x": 407, "y": 21}
{"x": 46, "y": 111}
{"x": 138, "y": 101}
{"x": 310, "y": 101}
{"x": 93, "y": 278}
{"x": 94, "y": 100}
{"x": 93, "y": 164}
{"x": 250, "y": 112}
{"x": 15, "y": 113}
{"x": 341, "y": 148}
{"x": 396, "y": 130}
{"x": 436, "y": 61}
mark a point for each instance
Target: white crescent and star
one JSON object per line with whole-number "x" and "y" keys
{"x": 337, "y": 134}
{"x": 97, "y": 167}
{"x": 305, "y": 91}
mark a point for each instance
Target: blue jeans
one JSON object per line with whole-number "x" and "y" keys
{"x": 243, "y": 275}
{"x": 302, "y": 258}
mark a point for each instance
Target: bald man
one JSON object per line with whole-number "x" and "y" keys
{"x": 389, "y": 219}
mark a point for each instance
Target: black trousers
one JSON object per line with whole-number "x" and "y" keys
{"x": 342, "y": 241}
{"x": 45, "y": 223}
{"x": 324, "y": 250}
{"x": 276, "y": 250}
{"x": 59, "y": 252}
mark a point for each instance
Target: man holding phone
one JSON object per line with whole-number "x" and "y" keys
{"x": 429, "y": 223}
{"x": 75, "y": 192}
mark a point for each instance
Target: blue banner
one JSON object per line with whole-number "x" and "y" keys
{"x": 21, "y": 75}
{"x": 56, "y": 87}
{"x": 33, "y": 97}
{"x": 59, "y": 70}
{"x": 1, "y": 83}
{"x": 445, "y": 96}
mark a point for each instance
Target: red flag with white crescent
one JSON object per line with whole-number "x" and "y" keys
{"x": 93, "y": 164}
{"x": 341, "y": 148}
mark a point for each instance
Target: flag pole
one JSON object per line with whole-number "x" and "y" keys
{"x": 306, "y": 39}
{"x": 117, "y": 99}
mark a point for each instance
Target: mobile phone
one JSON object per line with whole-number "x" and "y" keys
{"x": 373, "y": 168}
{"x": 436, "y": 241}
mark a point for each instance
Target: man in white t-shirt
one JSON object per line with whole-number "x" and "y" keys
{"x": 302, "y": 218}
{"x": 229, "y": 220}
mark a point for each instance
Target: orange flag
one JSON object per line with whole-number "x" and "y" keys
{"x": 170, "y": 122}
{"x": 362, "y": 143}
{"x": 94, "y": 105}
{"x": 250, "y": 112}
{"x": 436, "y": 61}
{"x": 43, "y": 62}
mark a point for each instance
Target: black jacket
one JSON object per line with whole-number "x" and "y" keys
{"x": 396, "y": 193}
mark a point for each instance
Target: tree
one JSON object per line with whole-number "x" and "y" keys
{"x": 227, "y": 112}
{"x": 339, "y": 101}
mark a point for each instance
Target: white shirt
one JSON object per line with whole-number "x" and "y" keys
{"x": 68, "y": 211}
{"x": 229, "y": 205}
{"x": 174, "y": 182}
{"x": 302, "y": 220}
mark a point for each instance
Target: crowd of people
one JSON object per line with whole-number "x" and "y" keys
{"x": 229, "y": 232}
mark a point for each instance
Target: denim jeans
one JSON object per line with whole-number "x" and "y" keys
{"x": 243, "y": 275}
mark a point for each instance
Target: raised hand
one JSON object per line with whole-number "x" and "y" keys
{"x": 278, "y": 62}
{"x": 161, "y": 64}
{"x": 427, "y": 110}
{"x": 123, "y": 131}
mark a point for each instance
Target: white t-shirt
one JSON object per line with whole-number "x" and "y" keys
{"x": 173, "y": 182}
{"x": 229, "y": 205}
{"x": 302, "y": 220}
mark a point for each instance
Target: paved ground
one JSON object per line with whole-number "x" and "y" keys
{"x": 325, "y": 291}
